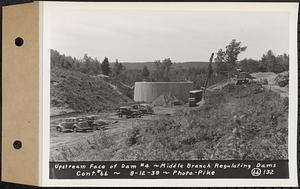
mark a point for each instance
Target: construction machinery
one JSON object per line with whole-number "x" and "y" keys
{"x": 197, "y": 95}
{"x": 244, "y": 78}
{"x": 209, "y": 70}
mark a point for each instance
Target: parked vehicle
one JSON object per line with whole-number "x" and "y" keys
{"x": 91, "y": 119}
{"x": 99, "y": 124}
{"x": 138, "y": 108}
{"x": 282, "y": 79}
{"x": 74, "y": 124}
{"x": 143, "y": 108}
{"x": 146, "y": 108}
{"x": 244, "y": 78}
{"x": 243, "y": 81}
{"x": 129, "y": 112}
{"x": 195, "y": 97}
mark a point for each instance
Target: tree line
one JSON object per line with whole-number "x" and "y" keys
{"x": 87, "y": 64}
{"x": 226, "y": 60}
{"x": 225, "y": 63}
{"x": 163, "y": 69}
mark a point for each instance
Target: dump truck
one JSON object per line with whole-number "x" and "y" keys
{"x": 244, "y": 78}
{"x": 195, "y": 97}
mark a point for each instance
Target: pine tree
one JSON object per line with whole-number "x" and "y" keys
{"x": 145, "y": 72}
{"x": 105, "y": 67}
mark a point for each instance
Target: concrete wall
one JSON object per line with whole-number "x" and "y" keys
{"x": 149, "y": 91}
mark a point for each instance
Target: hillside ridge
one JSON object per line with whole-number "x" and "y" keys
{"x": 73, "y": 91}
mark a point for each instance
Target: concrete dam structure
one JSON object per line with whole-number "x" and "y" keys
{"x": 149, "y": 91}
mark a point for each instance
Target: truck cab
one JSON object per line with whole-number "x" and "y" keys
{"x": 195, "y": 97}
{"x": 143, "y": 108}
{"x": 129, "y": 112}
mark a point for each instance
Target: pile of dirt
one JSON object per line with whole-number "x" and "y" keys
{"x": 219, "y": 85}
{"x": 167, "y": 99}
{"x": 73, "y": 91}
{"x": 241, "y": 91}
{"x": 120, "y": 86}
{"x": 260, "y": 76}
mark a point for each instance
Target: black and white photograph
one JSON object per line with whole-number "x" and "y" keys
{"x": 169, "y": 85}
{"x": 168, "y": 82}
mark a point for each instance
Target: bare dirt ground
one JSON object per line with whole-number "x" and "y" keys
{"x": 190, "y": 131}
{"x": 259, "y": 76}
{"x": 59, "y": 140}
{"x": 270, "y": 76}
{"x": 219, "y": 85}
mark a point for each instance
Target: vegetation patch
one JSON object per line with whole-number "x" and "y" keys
{"x": 236, "y": 122}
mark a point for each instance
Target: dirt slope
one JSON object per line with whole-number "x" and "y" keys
{"x": 72, "y": 91}
{"x": 219, "y": 85}
{"x": 166, "y": 99}
{"x": 241, "y": 122}
{"x": 270, "y": 76}
{"x": 259, "y": 76}
{"x": 272, "y": 84}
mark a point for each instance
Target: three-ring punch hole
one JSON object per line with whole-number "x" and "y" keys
{"x": 17, "y": 144}
{"x": 19, "y": 41}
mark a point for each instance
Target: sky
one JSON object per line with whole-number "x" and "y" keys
{"x": 140, "y": 35}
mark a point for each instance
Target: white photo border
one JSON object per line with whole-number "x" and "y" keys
{"x": 44, "y": 121}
